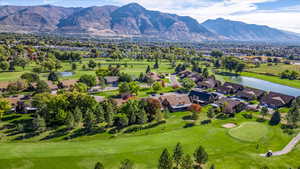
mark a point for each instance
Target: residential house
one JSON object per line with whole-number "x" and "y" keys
{"x": 112, "y": 80}
{"x": 4, "y": 85}
{"x": 175, "y": 102}
{"x": 250, "y": 94}
{"x": 202, "y": 97}
{"x": 209, "y": 83}
{"x": 184, "y": 74}
{"x": 196, "y": 77}
{"x": 276, "y": 100}
{"x": 153, "y": 76}
{"x": 230, "y": 106}
{"x": 230, "y": 88}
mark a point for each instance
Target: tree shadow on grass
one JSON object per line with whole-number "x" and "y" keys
{"x": 187, "y": 117}
{"x": 84, "y": 132}
{"x": 56, "y": 133}
{"x": 26, "y": 136}
{"x": 9, "y": 118}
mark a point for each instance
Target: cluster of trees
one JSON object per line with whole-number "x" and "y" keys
{"x": 233, "y": 64}
{"x": 289, "y": 74}
{"x": 74, "y": 109}
{"x": 179, "y": 160}
{"x": 67, "y": 56}
{"x": 125, "y": 164}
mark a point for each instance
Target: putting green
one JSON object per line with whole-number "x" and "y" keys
{"x": 249, "y": 131}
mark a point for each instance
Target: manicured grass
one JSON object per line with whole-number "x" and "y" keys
{"x": 249, "y": 131}
{"x": 275, "y": 69}
{"x": 144, "y": 148}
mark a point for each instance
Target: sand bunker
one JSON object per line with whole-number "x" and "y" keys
{"x": 229, "y": 125}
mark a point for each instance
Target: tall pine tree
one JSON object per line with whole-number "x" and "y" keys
{"x": 178, "y": 154}
{"x": 165, "y": 160}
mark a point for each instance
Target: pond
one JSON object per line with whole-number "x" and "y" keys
{"x": 265, "y": 85}
{"x": 66, "y": 74}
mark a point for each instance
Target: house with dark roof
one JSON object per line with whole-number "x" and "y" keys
{"x": 276, "y": 100}
{"x": 196, "y": 77}
{"x": 184, "y": 74}
{"x": 153, "y": 76}
{"x": 230, "y": 88}
{"x": 209, "y": 83}
{"x": 202, "y": 97}
{"x": 175, "y": 102}
{"x": 112, "y": 80}
{"x": 250, "y": 94}
{"x": 230, "y": 106}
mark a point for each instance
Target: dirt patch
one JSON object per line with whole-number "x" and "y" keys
{"x": 229, "y": 125}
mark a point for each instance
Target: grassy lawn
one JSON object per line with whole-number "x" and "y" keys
{"x": 274, "y": 69}
{"x": 144, "y": 147}
{"x": 134, "y": 68}
{"x": 249, "y": 131}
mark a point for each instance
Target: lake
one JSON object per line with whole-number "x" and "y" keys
{"x": 265, "y": 85}
{"x": 66, "y": 74}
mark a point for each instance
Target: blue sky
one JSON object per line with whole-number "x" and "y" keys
{"x": 282, "y": 14}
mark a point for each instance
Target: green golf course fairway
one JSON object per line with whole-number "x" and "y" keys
{"x": 249, "y": 131}
{"x": 145, "y": 147}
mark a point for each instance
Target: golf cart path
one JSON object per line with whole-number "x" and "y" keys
{"x": 288, "y": 148}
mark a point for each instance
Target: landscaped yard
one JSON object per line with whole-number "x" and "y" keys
{"x": 144, "y": 147}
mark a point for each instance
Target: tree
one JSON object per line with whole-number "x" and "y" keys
{"x": 216, "y": 53}
{"x": 80, "y": 87}
{"x": 21, "y": 107}
{"x": 4, "y": 65}
{"x": 39, "y": 124}
{"x": 89, "y": 80}
{"x": 99, "y": 112}
{"x": 148, "y": 70}
{"x": 264, "y": 111}
{"x": 195, "y": 109}
{"x": 211, "y": 112}
{"x": 99, "y": 165}
{"x": 77, "y": 115}
{"x": 200, "y": 155}
{"x": 4, "y": 107}
{"x": 89, "y": 120}
{"x": 156, "y": 87}
{"x": 109, "y": 114}
{"x": 42, "y": 87}
{"x": 121, "y": 120}
{"x": 240, "y": 67}
{"x": 124, "y": 77}
{"x": 126, "y": 164}
{"x": 53, "y": 77}
{"x": 178, "y": 155}
{"x": 205, "y": 73}
{"x": 74, "y": 66}
{"x": 187, "y": 162}
{"x": 156, "y": 65}
{"x": 212, "y": 166}
{"x": 293, "y": 115}
{"x": 188, "y": 84}
{"x": 165, "y": 161}
{"x": 275, "y": 119}
{"x": 30, "y": 77}
{"x": 92, "y": 64}
{"x": 70, "y": 121}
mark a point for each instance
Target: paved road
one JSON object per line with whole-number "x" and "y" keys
{"x": 287, "y": 148}
{"x": 174, "y": 81}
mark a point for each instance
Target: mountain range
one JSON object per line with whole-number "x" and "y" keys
{"x": 131, "y": 20}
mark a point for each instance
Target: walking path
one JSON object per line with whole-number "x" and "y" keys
{"x": 287, "y": 148}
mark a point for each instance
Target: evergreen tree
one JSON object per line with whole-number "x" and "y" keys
{"x": 141, "y": 117}
{"x": 148, "y": 70}
{"x": 99, "y": 166}
{"x": 126, "y": 164}
{"x": 39, "y": 124}
{"x": 200, "y": 155}
{"x": 74, "y": 66}
{"x": 99, "y": 114}
{"x": 53, "y": 77}
{"x": 178, "y": 154}
{"x": 187, "y": 162}
{"x": 70, "y": 122}
{"x": 212, "y": 166}
{"x": 77, "y": 115}
{"x": 109, "y": 114}
{"x": 293, "y": 115}
{"x": 89, "y": 120}
{"x": 275, "y": 119}
{"x": 264, "y": 111}
{"x": 165, "y": 160}
{"x": 156, "y": 65}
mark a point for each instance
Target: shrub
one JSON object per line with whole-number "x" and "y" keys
{"x": 204, "y": 122}
{"x": 287, "y": 126}
{"x": 260, "y": 120}
{"x": 248, "y": 116}
{"x": 289, "y": 131}
{"x": 188, "y": 125}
